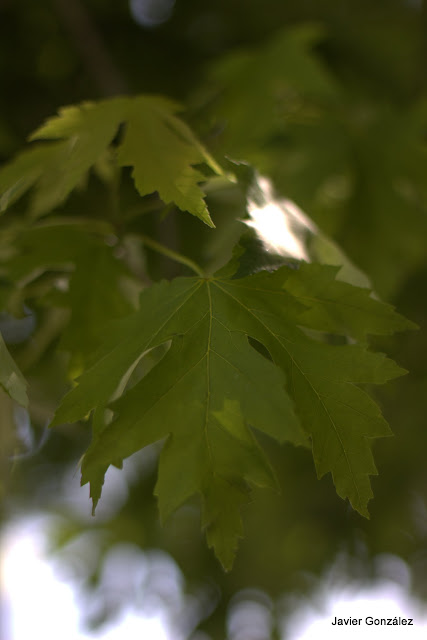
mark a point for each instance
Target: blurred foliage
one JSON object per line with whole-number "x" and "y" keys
{"x": 330, "y": 100}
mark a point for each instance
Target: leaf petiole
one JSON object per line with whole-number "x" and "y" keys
{"x": 170, "y": 253}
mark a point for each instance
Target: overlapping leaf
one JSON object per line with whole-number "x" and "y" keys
{"x": 212, "y": 386}
{"x": 78, "y": 271}
{"x": 287, "y": 73}
{"x": 11, "y": 379}
{"x": 361, "y": 178}
{"x": 337, "y": 307}
{"x": 157, "y": 144}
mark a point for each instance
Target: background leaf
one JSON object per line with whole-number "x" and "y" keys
{"x": 11, "y": 379}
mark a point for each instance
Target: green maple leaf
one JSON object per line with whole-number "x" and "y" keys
{"x": 212, "y": 386}
{"x": 162, "y": 151}
{"x": 209, "y": 384}
{"x": 159, "y": 147}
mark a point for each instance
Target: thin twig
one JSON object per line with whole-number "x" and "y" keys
{"x": 91, "y": 47}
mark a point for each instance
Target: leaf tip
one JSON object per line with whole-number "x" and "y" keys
{"x": 206, "y": 218}
{"x": 224, "y": 550}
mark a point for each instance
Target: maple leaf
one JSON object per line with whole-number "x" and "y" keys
{"x": 162, "y": 151}
{"x": 212, "y": 386}
{"x": 159, "y": 147}
{"x": 204, "y": 391}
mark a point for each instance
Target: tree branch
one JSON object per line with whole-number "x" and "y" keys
{"x": 91, "y": 47}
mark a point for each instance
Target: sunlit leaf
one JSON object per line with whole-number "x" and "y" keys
{"x": 159, "y": 147}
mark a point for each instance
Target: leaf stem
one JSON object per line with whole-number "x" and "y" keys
{"x": 115, "y": 194}
{"x": 173, "y": 255}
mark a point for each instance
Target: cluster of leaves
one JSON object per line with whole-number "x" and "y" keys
{"x": 355, "y": 161}
{"x": 242, "y": 352}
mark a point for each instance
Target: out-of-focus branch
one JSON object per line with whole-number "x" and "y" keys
{"x": 91, "y": 47}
